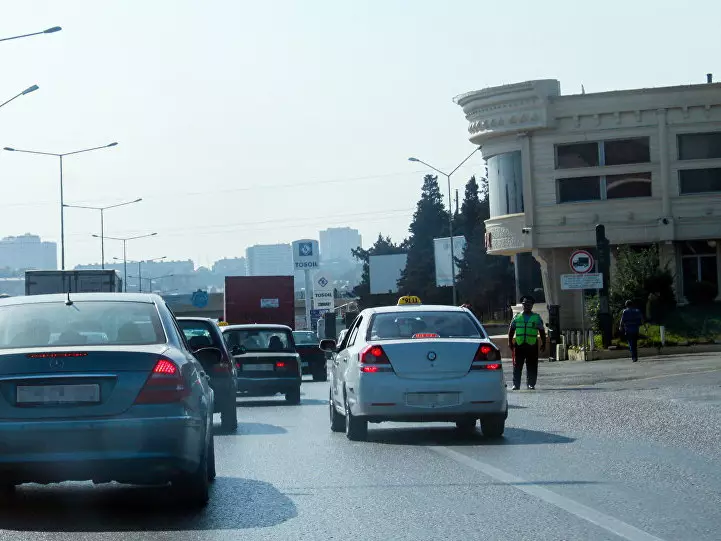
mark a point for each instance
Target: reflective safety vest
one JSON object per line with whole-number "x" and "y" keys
{"x": 527, "y": 331}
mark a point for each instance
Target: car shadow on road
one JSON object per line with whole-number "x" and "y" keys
{"x": 250, "y": 429}
{"x": 234, "y": 504}
{"x": 449, "y": 436}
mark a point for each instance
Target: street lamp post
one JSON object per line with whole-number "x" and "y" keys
{"x": 125, "y": 240}
{"x": 450, "y": 214}
{"x": 48, "y": 31}
{"x": 150, "y": 280}
{"x": 102, "y": 222}
{"x": 62, "y": 200}
{"x": 24, "y": 92}
{"x": 140, "y": 273}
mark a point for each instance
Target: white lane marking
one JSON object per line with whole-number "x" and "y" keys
{"x": 609, "y": 523}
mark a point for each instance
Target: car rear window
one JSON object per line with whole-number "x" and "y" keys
{"x": 259, "y": 339}
{"x": 198, "y": 334}
{"x": 441, "y": 324}
{"x": 79, "y": 324}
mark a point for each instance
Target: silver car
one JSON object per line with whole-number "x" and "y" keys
{"x": 419, "y": 364}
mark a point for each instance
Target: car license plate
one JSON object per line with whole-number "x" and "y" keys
{"x": 432, "y": 400}
{"x": 258, "y": 367}
{"x": 305, "y": 364}
{"x": 58, "y": 394}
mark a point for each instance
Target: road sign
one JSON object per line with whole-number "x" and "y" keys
{"x": 589, "y": 280}
{"x": 581, "y": 261}
{"x": 199, "y": 299}
{"x": 323, "y": 297}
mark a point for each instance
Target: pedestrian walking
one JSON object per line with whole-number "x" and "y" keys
{"x": 631, "y": 321}
{"x": 523, "y": 340}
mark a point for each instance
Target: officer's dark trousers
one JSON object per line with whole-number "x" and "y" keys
{"x": 527, "y": 354}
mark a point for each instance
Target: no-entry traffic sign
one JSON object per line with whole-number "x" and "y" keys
{"x": 581, "y": 261}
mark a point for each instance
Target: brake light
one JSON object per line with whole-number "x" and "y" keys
{"x": 63, "y": 354}
{"x": 280, "y": 364}
{"x": 484, "y": 354}
{"x": 426, "y": 335}
{"x": 373, "y": 359}
{"x": 164, "y": 385}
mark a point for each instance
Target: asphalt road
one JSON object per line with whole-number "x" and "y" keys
{"x": 603, "y": 450}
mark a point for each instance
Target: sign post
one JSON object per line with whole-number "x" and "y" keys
{"x": 305, "y": 258}
{"x": 581, "y": 263}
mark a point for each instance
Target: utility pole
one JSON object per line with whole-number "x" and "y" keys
{"x": 605, "y": 319}
{"x": 456, "y": 200}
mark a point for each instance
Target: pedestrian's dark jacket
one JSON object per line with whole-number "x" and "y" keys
{"x": 631, "y": 320}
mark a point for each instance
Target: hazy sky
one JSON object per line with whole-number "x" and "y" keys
{"x": 245, "y": 122}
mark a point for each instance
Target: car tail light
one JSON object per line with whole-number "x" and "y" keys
{"x": 164, "y": 385}
{"x": 280, "y": 364}
{"x": 373, "y": 359}
{"x": 484, "y": 354}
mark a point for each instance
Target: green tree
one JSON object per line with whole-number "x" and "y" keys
{"x": 382, "y": 246}
{"x": 485, "y": 281}
{"x": 430, "y": 221}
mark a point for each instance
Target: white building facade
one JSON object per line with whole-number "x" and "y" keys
{"x": 644, "y": 163}
{"x": 269, "y": 260}
{"x": 336, "y": 243}
{"x": 28, "y": 252}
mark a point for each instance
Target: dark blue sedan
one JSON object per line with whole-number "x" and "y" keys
{"x": 102, "y": 387}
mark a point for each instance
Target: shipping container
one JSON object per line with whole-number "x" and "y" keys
{"x": 260, "y": 299}
{"x": 39, "y": 282}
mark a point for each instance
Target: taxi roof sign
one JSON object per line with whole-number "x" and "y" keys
{"x": 409, "y": 299}
{"x": 222, "y": 323}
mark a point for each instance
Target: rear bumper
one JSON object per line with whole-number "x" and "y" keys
{"x": 267, "y": 386}
{"x": 384, "y": 398}
{"x": 124, "y": 450}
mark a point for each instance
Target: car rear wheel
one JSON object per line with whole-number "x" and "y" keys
{"x": 356, "y": 429}
{"x": 229, "y": 417}
{"x": 493, "y": 428}
{"x": 193, "y": 489}
{"x": 293, "y": 397}
{"x": 466, "y": 426}
{"x": 337, "y": 421}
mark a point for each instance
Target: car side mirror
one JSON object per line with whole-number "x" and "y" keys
{"x": 328, "y": 345}
{"x": 237, "y": 350}
{"x": 208, "y": 356}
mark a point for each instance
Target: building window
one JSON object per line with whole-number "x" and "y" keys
{"x": 577, "y": 155}
{"x": 600, "y": 153}
{"x": 579, "y": 189}
{"x": 699, "y": 146}
{"x": 629, "y": 185}
{"x": 698, "y": 265}
{"x": 505, "y": 184}
{"x": 575, "y": 189}
{"x": 626, "y": 151}
{"x": 700, "y": 180}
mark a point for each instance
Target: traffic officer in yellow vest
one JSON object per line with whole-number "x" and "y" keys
{"x": 523, "y": 336}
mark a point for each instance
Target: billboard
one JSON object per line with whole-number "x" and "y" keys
{"x": 323, "y": 291}
{"x": 442, "y": 255}
{"x": 385, "y": 271}
{"x": 305, "y": 254}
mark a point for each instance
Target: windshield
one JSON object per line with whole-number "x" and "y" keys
{"x": 305, "y": 338}
{"x": 259, "y": 339}
{"x": 81, "y": 323}
{"x": 443, "y": 324}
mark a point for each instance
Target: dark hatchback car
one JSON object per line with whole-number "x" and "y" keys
{"x": 265, "y": 359}
{"x": 202, "y": 333}
{"x": 313, "y": 359}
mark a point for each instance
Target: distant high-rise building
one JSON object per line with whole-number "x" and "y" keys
{"x": 236, "y": 266}
{"x": 28, "y": 252}
{"x": 337, "y": 243}
{"x": 269, "y": 260}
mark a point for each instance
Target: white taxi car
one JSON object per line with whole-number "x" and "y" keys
{"x": 416, "y": 363}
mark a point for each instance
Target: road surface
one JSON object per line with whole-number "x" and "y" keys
{"x": 600, "y": 451}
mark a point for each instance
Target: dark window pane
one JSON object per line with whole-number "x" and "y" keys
{"x": 699, "y": 146}
{"x": 627, "y": 151}
{"x": 708, "y": 270}
{"x": 629, "y": 185}
{"x": 689, "y": 266}
{"x": 697, "y": 247}
{"x": 576, "y": 155}
{"x": 505, "y": 184}
{"x": 579, "y": 189}
{"x": 700, "y": 180}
